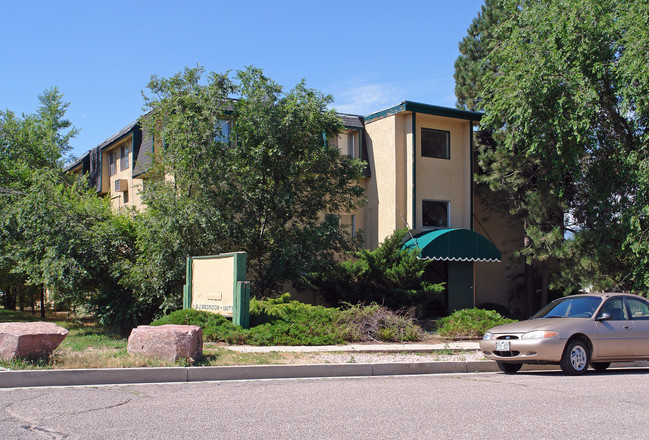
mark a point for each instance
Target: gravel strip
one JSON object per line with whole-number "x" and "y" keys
{"x": 377, "y": 358}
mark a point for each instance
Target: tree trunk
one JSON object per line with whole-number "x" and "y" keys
{"x": 21, "y": 299}
{"x": 43, "y": 302}
{"x": 530, "y": 307}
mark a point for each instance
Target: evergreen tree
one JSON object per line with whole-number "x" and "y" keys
{"x": 565, "y": 133}
{"x": 472, "y": 63}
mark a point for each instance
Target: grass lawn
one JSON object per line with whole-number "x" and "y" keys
{"x": 87, "y": 345}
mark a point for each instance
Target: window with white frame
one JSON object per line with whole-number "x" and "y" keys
{"x": 348, "y": 144}
{"x": 435, "y": 143}
{"x": 435, "y": 213}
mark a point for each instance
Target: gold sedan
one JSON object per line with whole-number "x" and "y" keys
{"x": 574, "y": 332}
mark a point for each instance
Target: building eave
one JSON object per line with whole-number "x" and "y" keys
{"x": 418, "y": 107}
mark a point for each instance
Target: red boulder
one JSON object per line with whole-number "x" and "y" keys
{"x": 168, "y": 342}
{"x": 29, "y": 340}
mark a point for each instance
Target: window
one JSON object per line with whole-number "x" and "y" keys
{"x": 123, "y": 157}
{"x": 638, "y": 308}
{"x": 615, "y": 308}
{"x": 347, "y": 144}
{"x": 435, "y": 214}
{"x": 223, "y": 129}
{"x": 332, "y": 219}
{"x": 351, "y": 145}
{"x": 112, "y": 164}
{"x": 435, "y": 143}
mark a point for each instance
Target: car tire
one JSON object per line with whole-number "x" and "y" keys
{"x": 575, "y": 357}
{"x": 600, "y": 367}
{"x": 509, "y": 367}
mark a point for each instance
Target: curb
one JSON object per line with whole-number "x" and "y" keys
{"x": 111, "y": 376}
{"x": 115, "y": 376}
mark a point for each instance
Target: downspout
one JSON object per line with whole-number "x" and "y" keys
{"x": 101, "y": 171}
{"x": 414, "y": 171}
{"x": 471, "y": 204}
{"x": 471, "y": 171}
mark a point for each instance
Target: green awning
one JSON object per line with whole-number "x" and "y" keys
{"x": 454, "y": 245}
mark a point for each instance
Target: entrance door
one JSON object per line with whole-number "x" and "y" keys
{"x": 436, "y": 272}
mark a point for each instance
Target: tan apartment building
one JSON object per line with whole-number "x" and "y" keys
{"x": 419, "y": 176}
{"x": 117, "y": 166}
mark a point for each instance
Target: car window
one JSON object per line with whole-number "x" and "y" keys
{"x": 638, "y": 308}
{"x": 570, "y": 307}
{"x": 615, "y": 308}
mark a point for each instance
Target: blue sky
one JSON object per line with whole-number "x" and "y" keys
{"x": 368, "y": 55}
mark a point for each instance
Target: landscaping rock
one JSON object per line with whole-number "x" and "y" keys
{"x": 168, "y": 342}
{"x": 29, "y": 340}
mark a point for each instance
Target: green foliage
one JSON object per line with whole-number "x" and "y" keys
{"x": 388, "y": 275}
{"x": 469, "y": 323}
{"x": 563, "y": 87}
{"x": 56, "y": 232}
{"x": 470, "y": 65}
{"x": 261, "y": 190}
{"x": 281, "y": 321}
{"x": 15, "y": 316}
{"x": 215, "y": 327}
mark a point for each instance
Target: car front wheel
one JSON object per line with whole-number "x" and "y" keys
{"x": 575, "y": 357}
{"x": 509, "y": 367}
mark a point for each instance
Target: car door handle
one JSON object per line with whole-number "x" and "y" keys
{"x": 627, "y": 327}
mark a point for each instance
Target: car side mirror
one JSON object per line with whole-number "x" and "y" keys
{"x": 603, "y": 317}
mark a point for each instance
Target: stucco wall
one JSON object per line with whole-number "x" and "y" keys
{"x": 445, "y": 179}
{"x": 108, "y": 182}
{"x": 390, "y": 190}
{"x": 495, "y": 281}
{"x": 380, "y": 211}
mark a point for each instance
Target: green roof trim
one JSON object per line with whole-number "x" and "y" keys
{"x": 417, "y": 107}
{"x": 454, "y": 245}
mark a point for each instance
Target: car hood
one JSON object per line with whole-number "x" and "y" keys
{"x": 556, "y": 324}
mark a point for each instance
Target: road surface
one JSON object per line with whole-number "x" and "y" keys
{"x": 543, "y": 405}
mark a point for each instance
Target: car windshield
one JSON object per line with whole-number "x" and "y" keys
{"x": 570, "y": 307}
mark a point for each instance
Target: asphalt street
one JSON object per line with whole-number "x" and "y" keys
{"x": 531, "y": 405}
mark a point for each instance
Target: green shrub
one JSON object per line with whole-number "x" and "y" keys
{"x": 389, "y": 275}
{"x": 281, "y": 321}
{"x": 469, "y": 323}
{"x": 215, "y": 327}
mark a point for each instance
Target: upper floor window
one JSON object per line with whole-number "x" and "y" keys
{"x": 123, "y": 157}
{"x": 112, "y": 163}
{"x": 348, "y": 144}
{"x": 435, "y": 143}
{"x": 435, "y": 214}
{"x": 222, "y": 131}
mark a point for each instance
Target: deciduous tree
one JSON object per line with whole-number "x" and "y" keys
{"x": 252, "y": 174}
{"x": 566, "y": 134}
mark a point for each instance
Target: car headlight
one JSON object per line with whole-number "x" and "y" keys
{"x": 540, "y": 334}
{"x": 487, "y": 336}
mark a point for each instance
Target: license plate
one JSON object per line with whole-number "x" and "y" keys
{"x": 503, "y": 346}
